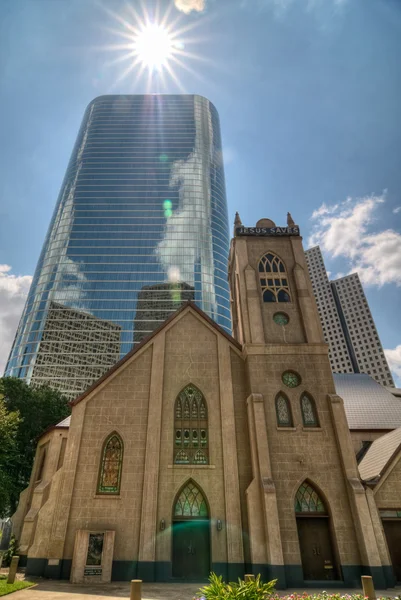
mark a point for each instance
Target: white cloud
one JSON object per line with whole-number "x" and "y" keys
{"x": 397, "y": 210}
{"x": 344, "y": 230}
{"x": 187, "y": 6}
{"x": 394, "y": 361}
{"x": 13, "y": 293}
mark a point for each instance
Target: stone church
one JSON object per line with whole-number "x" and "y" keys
{"x": 199, "y": 451}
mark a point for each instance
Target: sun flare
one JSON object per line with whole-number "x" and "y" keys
{"x": 153, "y": 46}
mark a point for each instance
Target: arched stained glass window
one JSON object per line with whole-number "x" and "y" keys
{"x": 111, "y": 465}
{"x": 307, "y": 500}
{"x": 273, "y": 279}
{"x": 190, "y": 503}
{"x": 283, "y": 411}
{"x": 309, "y": 413}
{"x": 191, "y": 428}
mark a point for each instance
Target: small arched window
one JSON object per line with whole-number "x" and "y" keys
{"x": 308, "y": 500}
{"x": 273, "y": 279}
{"x": 283, "y": 411}
{"x": 191, "y": 445}
{"x": 309, "y": 412}
{"x": 111, "y": 465}
{"x": 190, "y": 503}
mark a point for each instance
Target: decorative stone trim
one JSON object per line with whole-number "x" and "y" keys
{"x": 107, "y": 496}
{"x": 312, "y": 428}
{"x": 191, "y": 466}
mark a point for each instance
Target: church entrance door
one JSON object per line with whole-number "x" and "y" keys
{"x": 316, "y": 551}
{"x": 191, "y": 535}
{"x": 315, "y": 543}
{"x": 392, "y": 529}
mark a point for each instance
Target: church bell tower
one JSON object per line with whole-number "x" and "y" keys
{"x": 272, "y": 296}
{"x": 299, "y": 438}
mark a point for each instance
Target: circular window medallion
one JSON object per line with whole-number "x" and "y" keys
{"x": 291, "y": 379}
{"x": 281, "y": 318}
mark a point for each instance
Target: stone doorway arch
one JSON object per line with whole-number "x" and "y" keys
{"x": 191, "y": 534}
{"x": 315, "y": 535}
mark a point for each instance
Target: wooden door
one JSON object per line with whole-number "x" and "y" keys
{"x": 316, "y": 548}
{"x": 191, "y": 549}
{"x": 392, "y": 529}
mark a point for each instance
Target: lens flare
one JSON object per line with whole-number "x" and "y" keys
{"x": 150, "y": 46}
{"x": 153, "y": 45}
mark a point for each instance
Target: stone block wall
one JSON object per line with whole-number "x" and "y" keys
{"x": 388, "y": 494}
{"x": 122, "y": 406}
{"x": 304, "y": 453}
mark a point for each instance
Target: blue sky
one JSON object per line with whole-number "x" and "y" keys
{"x": 308, "y": 93}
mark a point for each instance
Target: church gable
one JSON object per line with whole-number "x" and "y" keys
{"x": 388, "y": 492}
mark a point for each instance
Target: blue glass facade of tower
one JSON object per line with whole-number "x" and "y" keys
{"x": 143, "y": 203}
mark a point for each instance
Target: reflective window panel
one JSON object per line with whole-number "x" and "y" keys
{"x": 140, "y": 227}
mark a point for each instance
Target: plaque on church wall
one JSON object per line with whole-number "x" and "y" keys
{"x": 95, "y": 551}
{"x": 93, "y": 556}
{"x": 90, "y": 571}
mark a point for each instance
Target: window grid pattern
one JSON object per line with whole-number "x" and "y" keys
{"x": 309, "y": 413}
{"x": 273, "y": 279}
{"x": 361, "y": 329}
{"x": 307, "y": 500}
{"x": 190, "y": 503}
{"x": 111, "y": 465}
{"x": 283, "y": 411}
{"x": 348, "y": 325}
{"x": 140, "y": 226}
{"x": 191, "y": 428}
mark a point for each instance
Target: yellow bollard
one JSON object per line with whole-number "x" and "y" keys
{"x": 368, "y": 587}
{"x": 249, "y": 577}
{"x": 13, "y": 569}
{"x": 136, "y": 589}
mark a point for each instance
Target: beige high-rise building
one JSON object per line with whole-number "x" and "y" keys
{"x": 156, "y": 303}
{"x": 76, "y": 348}
{"x": 199, "y": 451}
{"x": 347, "y": 323}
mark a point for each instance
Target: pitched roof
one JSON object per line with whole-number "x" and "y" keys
{"x": 188, "y": 304}
{"x": 368, "y": 405}
{"x": 380, "y": 455}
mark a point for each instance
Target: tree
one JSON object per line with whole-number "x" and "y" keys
{"x": 9, "y": 422}
{"x": 37, "y": 408}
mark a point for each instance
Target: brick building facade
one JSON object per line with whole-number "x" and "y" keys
{"x": 202, "y": 451}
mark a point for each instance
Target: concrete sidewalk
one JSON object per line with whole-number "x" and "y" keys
{"x": 62, "y": 590}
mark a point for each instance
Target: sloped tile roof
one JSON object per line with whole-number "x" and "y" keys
{"x": 379, "y": 455}
{"x": 368, "y": 405}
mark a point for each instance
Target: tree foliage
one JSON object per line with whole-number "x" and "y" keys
{"x": 34, "y": 409}
{"x": 9, "y": 422}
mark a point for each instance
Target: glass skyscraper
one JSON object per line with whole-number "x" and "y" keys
{"x": 142, "y": 208}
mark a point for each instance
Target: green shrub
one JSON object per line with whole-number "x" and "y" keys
{"x": 254, "y": 589}
{"x": 13, "y": 550}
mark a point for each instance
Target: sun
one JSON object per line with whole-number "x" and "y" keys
{"x": 153, "y": 45}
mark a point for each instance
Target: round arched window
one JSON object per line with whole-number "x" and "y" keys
{"x": 281, "y": 318}
{"x": 291, "y": 379}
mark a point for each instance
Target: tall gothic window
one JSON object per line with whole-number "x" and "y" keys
{"x": 309, "y": 413}
{"x": 111, "y": 465}
{"x": 308, "y": 500}
{"x": 273, "y": 279}
{"x": 283, "y": 411}
{"x": 191, "y": 445}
